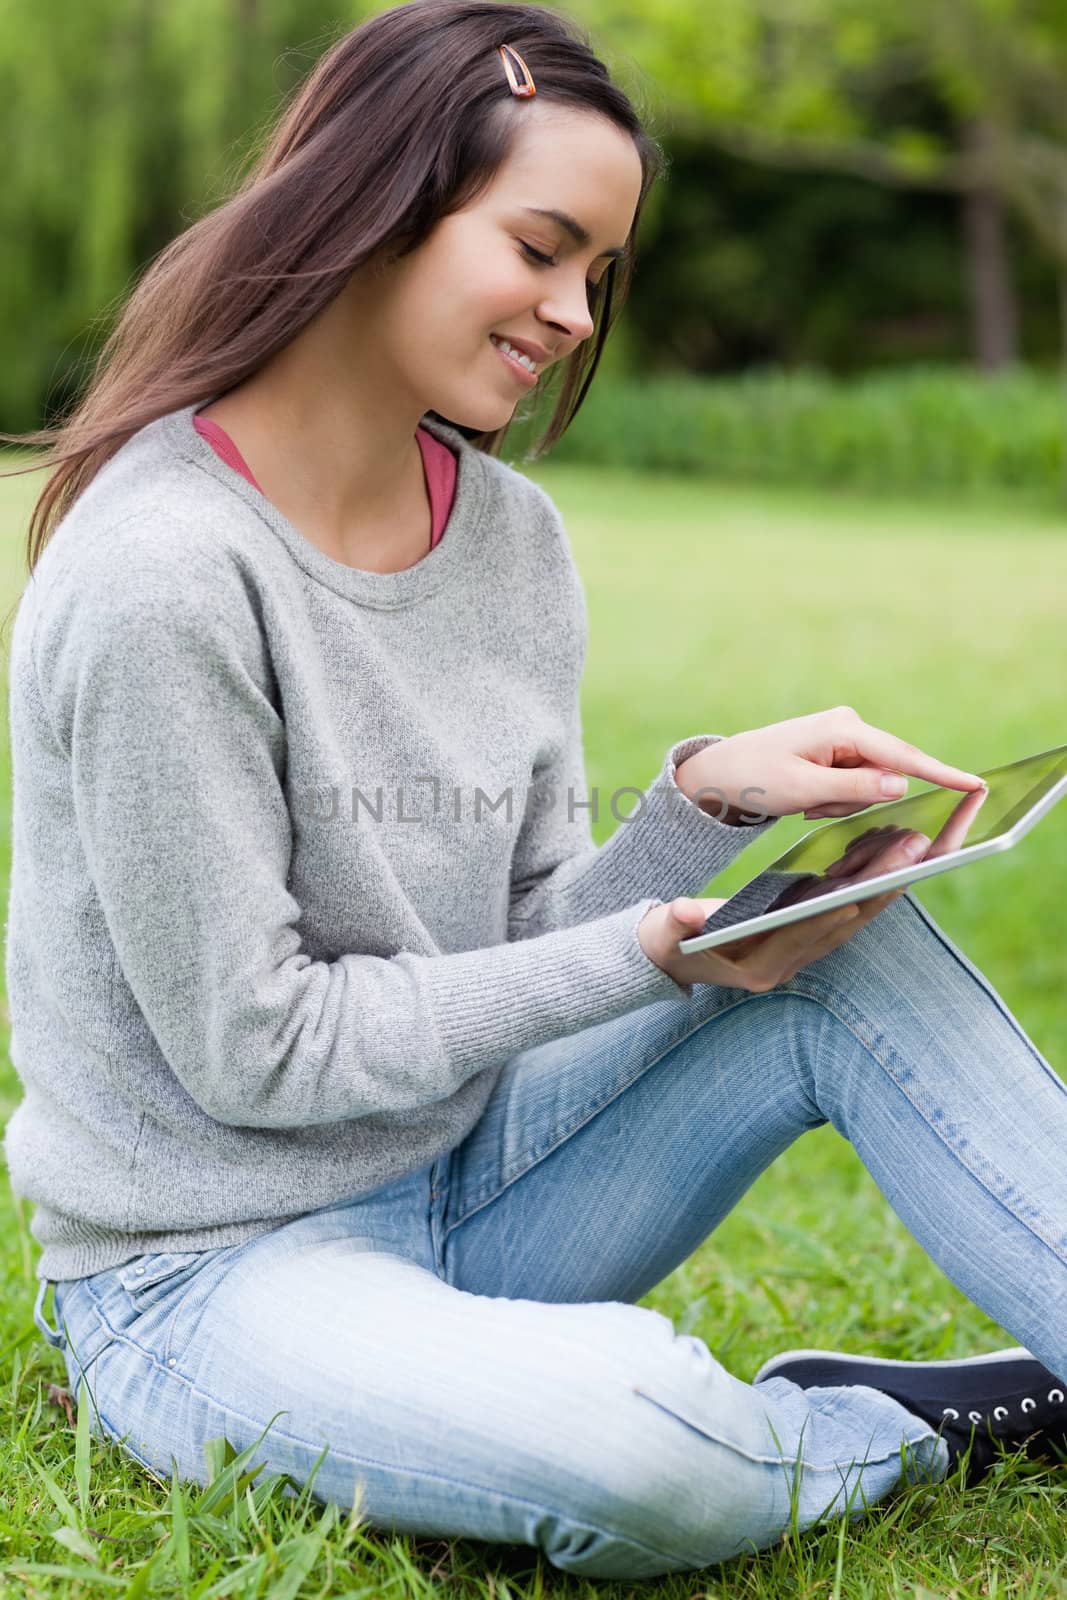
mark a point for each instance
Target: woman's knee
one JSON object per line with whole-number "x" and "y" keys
{"x": 681, "y": 1473}
{"x": 672, "y": 1499}
{"x": 624, "y": 1484}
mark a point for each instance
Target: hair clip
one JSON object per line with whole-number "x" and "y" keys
{"x": 525, "y": 89}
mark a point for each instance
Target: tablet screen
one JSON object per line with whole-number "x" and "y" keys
{"x": 831, "y": 856}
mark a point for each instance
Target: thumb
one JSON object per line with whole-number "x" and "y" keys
{"x": 858, "y": 785}
{"x": 687, "y": 912}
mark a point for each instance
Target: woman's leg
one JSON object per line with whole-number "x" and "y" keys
{"x": 603, "y": 1160}
{"x": 447, "y": 1413}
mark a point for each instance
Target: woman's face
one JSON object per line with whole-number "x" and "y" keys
{"x": 441, "y": 308}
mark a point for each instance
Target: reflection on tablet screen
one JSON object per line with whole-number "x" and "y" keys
{"x": 842, "y": 852}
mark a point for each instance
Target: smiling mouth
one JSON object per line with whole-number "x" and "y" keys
{"x": 515, "y": 359}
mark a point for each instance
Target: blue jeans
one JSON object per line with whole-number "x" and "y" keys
{"x": 465, "y": 1340}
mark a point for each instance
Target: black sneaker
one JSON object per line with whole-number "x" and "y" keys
{"x": 973, "y": 1402}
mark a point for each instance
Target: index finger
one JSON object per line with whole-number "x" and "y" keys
{"x": 958, "y": 824}
{"x": 886, "y": 750}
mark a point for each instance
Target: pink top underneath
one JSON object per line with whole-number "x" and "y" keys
{"x": 438, "y": 465}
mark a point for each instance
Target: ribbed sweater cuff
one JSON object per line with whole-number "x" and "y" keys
{"x": 668, "y": 844}
{"x": 546, "y": 987}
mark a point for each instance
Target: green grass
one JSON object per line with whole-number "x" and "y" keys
{"x": 713, "y": 610}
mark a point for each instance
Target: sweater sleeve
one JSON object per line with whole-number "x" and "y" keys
{"x": 158, "y": 691}
{"x": 664, "y": 844}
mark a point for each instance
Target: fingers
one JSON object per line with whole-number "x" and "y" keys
{"x": 814, "y": 949}
{"x": 869, "y": 909}
{"x": 881, "y": 857}
{"x": 822, "y": 947}
{"x": 760, "y": 961}
{"x": 958, "y": 826}
{"x": 866, "y": 911}
{"x": 861, "y": 914}
{"x": 951, "y": 837}
{"x": 775, "y": 956}
{"x": 783, "y": 951}
{"x": 886, "y": 750}
{"x": 813, "y": 929}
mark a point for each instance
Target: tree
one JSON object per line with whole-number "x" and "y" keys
{"x": 119, "y": 127}
{"x": 967, "y": 96}
{"x": 964, "y": 95}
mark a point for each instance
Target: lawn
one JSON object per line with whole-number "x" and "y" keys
{"x": 711, "y": 610}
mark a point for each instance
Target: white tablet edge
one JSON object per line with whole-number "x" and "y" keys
{"x": 849, "y": 895}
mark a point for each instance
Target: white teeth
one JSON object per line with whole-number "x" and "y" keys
{"x": 517, "y": 355}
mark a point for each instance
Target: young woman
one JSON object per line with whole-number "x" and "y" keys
{"x": 364, "y": 1095}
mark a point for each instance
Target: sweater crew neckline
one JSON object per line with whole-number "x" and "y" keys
{"x": 382, "y": 590}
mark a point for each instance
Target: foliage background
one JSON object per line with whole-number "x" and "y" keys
{"x": 811, "y": 217}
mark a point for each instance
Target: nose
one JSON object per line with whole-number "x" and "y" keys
{"x": 570, "y": 314}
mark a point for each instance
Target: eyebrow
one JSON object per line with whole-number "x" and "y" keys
{"x": 579, "y": 234}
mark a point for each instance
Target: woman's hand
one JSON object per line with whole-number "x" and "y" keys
{"x": 761, "y": 961}
{"x": 828, "y": 764}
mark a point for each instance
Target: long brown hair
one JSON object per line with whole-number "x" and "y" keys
{"x": 404, "y": 119}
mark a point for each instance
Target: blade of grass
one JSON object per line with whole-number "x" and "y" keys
{"x": 246, "y": 1578}
{"x": 75, "y": 1542}
{"x": 50, "y": 1569}
{"x": 179, "y": 1537}
{"x": 67, "y": 1511}
{"x": 299, "y": 1556}
{"x": 81, "y": 1450}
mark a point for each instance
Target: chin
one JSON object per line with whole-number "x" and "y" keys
{"x": 480, "y": 416}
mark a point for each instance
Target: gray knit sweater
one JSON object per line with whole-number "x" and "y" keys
{"x": 301, "y": 853}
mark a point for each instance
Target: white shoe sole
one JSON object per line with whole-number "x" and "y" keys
{"x": 768, "y": 1368}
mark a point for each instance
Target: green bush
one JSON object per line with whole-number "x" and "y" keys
{"x": 924, "y": 430}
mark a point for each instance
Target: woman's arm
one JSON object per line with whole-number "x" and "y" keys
{"x": 665, "y": 845}
{"x": 156, "y": 688}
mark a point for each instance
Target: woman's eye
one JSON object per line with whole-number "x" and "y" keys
{"x": 593, "y": 288}
{"x": 536, "y": 254}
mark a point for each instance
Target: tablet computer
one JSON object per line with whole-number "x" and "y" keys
{"x": 826, "y": 867}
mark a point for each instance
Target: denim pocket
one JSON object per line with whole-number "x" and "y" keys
{"x": 149, "y": 1278}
